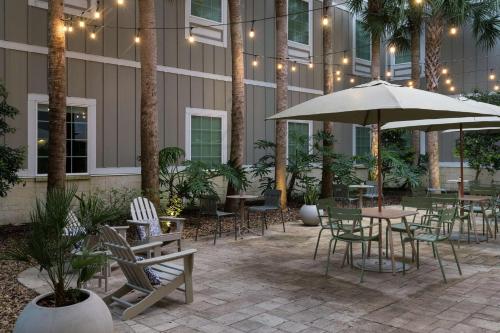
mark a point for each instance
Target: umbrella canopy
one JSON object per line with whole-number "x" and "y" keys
{"x": 360, "y": 104}
{"x": 482, "y": 129}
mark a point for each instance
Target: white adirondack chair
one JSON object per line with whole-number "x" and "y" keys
{"x": 144, "y": 216}
{"x": 173, "y": 277}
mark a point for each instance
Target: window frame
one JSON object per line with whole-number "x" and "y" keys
{"x": 367, "y": 62}
{"x": 310, "y": 124}
{"x": 206, "y": 113}
{"x": 71, "y": 7}
{"x": 89, "y": 104}
{"x": 299, "y": 52}
{"x": 213, "y": 35}
{"x": 354, "y": 141}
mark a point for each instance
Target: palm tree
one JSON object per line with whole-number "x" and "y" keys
{"x": 150, "y": 173}
{"x": 377, "y": 16}
{"x": 437, "y": 15}
{"x": 57, "y": 96}
{"x": 237, "y": 154}
{"x": 281, "y": 95}
{"x": 326, "y": 173}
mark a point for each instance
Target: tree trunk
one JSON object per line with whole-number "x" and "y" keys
{"x": 281, "y": 95}
{"x": 375, "y": 72}
{"x": 57, "y": 96}
{"x": 415, "y": 77}
{"x": 327, "y": 173}
{"x": 237, "y": 155}
{"x": 150, "y": 181}
{"x": 433, "y": 42}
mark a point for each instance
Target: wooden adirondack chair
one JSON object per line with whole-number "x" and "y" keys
{"x": 144, "y": 216}
{"x": 173, "y": 277}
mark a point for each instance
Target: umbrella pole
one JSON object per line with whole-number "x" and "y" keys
{"x": 379, "y": 164}
{"x": 461, "y": 161}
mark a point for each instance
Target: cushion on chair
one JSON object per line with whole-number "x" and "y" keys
{"x": 154, "y": 229}
{"x": 153, "y": 278}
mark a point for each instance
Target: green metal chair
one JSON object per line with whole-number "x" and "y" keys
{"x": 433, "y": 234}
{"x": 346, "y": 226}
{"x": 322, "y": 207}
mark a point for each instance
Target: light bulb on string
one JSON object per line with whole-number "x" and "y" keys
{"x": 492, "y": 75}
{"x": 325, "y": 20}
{"x": 452, "y": 88}
{"x": 345, "y": 60}
{"x": 191, "y": 37}
{"x": 444, "y": 71}
{"x": 418, "y": 2}
{"x": 93, "y": 35}
{"x": 279, "y": 66}
{"x": 294, "y": 66}
{"x": 388, "y": 73}
{"x": 81, "y": 23}
{"x": 447, "y": 81}
{"x": 70, "y": 27}
{"x": 337, "y": 72}
{"x": 339, "y": 78}
{"x": 137, "y": 38}
{"x": 120, "y": 2}
{"x": 410, "y": 84}
{"x": 352, "y": 80}
{"x": 453, "y": 31}
{"x": 251, "y": 33}
{"x": 254, "y": 61}
{"x": 311, "y": 64}
{"x": 496, "y": 87}
{"x": 392, "y": 49}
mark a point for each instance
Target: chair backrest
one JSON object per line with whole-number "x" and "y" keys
{"x": 417, "y": 203}
{"x": 372, "y": 190}
{"x": 126, "y": 259}
{"x": 419, "y": 191}
{"x": 272, "y": 198}
{"x": 141, "y": 209}
{"x": 73, "y": 226}
{"x": 322, "y": 207}
{"x": 340, "y": 191}
{"x": 208, "y": 205}
{"x": 485, "y": 191}
{"x": 447, "y": 218}
{"x": 344, "y": 219}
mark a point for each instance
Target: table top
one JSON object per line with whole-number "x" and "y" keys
{"x": 386, "y": 213}
{"x": 474, "y": 198}
{"x": 242, "y": 196}
{"x": 361, "y": 186}
{"x": 457, "y": 180}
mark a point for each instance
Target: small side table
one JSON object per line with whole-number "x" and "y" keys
{"x": 242, "y": 198}
{"x": 361, "y": 189}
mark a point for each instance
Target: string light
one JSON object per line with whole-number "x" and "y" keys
{"x": 345, "y": 60}
{"x": 392, "y": 49}
{"x": 444, "y": 71}
{"x": 339, "y": 78}
{"x": 279, "y": 66}
{"x": 65, "y": 28}
{"x": 92, "y": 35}
{"x": 410, "y": 84}
{"x": 453, "y": 31}
{"x": 137, "y": 38}
{"x": 70, "y": 27}
{"x": 492, "y": 75}
{"x": 418, "y": 2}
{"x": 120, "y": 2}
{"x": 337, "y": 72}
{"x": 388, "y": 73}
{"x": 452, "y": 88}
{"x": 294, "y": 66}
{"x": 311, "y": 64}
{"x": 448, "y": 81}
{"x": 255, "y": 62}
{"x": 352, "y": 80}
{"x": 251, "y": 34}
{"x": 496, "y": 87}
{"x": 325, "y": 20}
{"x": 191, "y": 37}
{"x": 81, "y": 23}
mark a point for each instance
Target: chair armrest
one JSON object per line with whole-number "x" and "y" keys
{"x": 120, "y": 227}
{"x": 146, "y": 246}
{"x": 368, "y": 226}
{"x": 167, "y": 257}
{"x": 138, "y": 223}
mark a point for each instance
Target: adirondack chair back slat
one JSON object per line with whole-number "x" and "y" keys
{"x": 143, "y": 210}
{"x": 126, "y": 259}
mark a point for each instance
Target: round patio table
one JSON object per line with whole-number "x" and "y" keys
{"x": 242, "y": 198}
{"x": 361, "y": 189}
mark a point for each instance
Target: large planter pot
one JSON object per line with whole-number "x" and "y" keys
{"x": 90, "y": 315}
{"x": 309, "y": 215}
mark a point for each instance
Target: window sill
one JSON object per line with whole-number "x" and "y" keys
{"x": 43, "y": 179}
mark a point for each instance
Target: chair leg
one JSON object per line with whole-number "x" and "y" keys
{"x": 197, "y": 228}
{"x": 435, "y": 248}
{"x": 215, "y": 230}
{"x": 363, "y": 258}
{"x": 263, "y": 220}
{"x": 179, "y": 247}
{"x": 404, "y": 254}
{"x": 235, "y": 228}
{"x": 350, "y": 255}
{"x": 418, "y": 254}
{"x": 328, "y": 259}
{"x": 456, "y": 258}
{"x": 317, "y": 244}
{"x": 282, "y": 219}
{"x": 387, "y": 242}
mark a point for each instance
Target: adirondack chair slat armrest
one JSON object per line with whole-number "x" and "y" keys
{"x": 139, "y": 223}
{"x": 147, "y": 246}
{"x": 167, "y": 257}
{"x": 120, "y": 227}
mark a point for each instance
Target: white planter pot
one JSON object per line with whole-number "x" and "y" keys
{"x": 309, "y": 215}
{"x": 91, "y": 315}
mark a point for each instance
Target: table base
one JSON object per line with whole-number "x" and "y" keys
{"x": 455, "y": 236}
{"x": 372, "y": 265}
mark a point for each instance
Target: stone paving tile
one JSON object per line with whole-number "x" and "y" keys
{"x": 271, "y": 284}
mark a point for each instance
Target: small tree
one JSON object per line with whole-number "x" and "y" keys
{"x": 482, "y": 151}
{"x": 11, "y": 159}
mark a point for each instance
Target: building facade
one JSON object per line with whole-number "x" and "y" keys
{"x": 194, "y": 83}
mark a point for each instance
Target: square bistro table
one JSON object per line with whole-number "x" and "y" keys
{"x": 480, "y": 200}
{"x": 361, "y": 189}
{"x": 386, "y": 214}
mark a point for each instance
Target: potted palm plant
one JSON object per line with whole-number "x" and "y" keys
{"x": 308, "y": 211}
{"x": 57, "y": 253}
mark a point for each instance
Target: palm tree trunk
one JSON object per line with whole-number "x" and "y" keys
{"x": 327, "y": 173}
{"x": 150, "y": 181}
{"x": 237, "y": 154}
{"x": 281, "y": 95}
{"x": 415, "y": 77}
{"x": 57, "y": 96}
{"x": 433, "y": 42}
{"x": 375, "y": 72}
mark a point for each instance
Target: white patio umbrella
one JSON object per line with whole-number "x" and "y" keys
{"x": 380, "y": 102}
{"x": 455, "y": 124}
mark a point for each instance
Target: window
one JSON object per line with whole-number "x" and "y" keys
{"x": 206, "y": 136}
{"x": 298, "y": 21}
{"x": 71, "y": 7}
{"x": 402, "y": 57}
{"x": 363, "y": 42}
{"x": 76, "y": 139}
{"x": 207, "y": 9}
{"x": 298, "y": 137}
{"x": 362, "y": 140}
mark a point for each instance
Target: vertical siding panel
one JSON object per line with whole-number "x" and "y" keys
{"x": 126, "y": 117}
{"x": 15, "y": 80}
{"x": 208, "y": 58}
{"x": 172, "y": 113}
{"x": 197, "y": 56}
{"x": 37, "y": 36}
{"x": 160, "y": 33}
{"x": 270, "y": 110}
{"x": 161, "y": 109}
{"x": 95, "y": 90}
{"x": 184, "y": 97}
{"x": 127, "y": 49}
{"x": 269, "y": 43}
{"x": 137, "y": 116}
{"x": 197, "y": 98}
{"x": 37, "y": 73}
{"x": 208, "y": 94}
{"x": 2, "y": 19}
{"x": 260, "y": 40}
{"x": 110, "y": 116}
{"x": 318, "y": 45}
{"x": 259, "y": 120}
{"x": 219, "y": 61}
{"x": 249, "y": 121}
{"x": 220, "y": 96}
{"x": 16, "y": 21}
{"x": 183, "y": 46}
{"x": 171, "y": 43}
{"x": 228, "y": 96}
{"x": 2, "y": 65}
{"x": 76, "y": 78}
{"x": 109, "y": 33}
